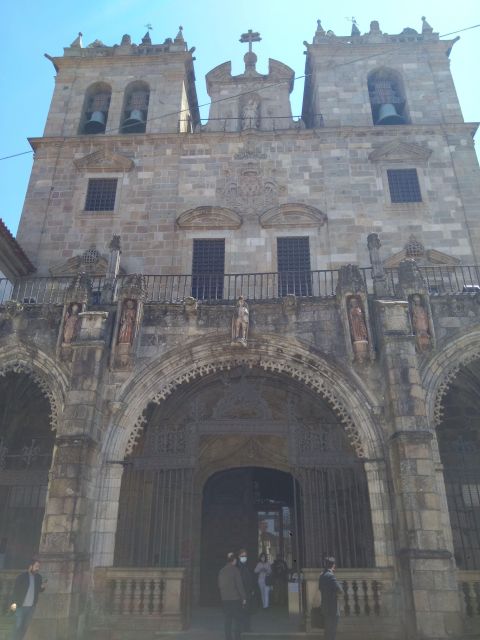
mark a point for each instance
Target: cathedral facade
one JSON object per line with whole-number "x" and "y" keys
{"x": 257, "y": 331}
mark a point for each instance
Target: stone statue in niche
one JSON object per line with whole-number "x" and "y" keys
{"x": 70, "y": 324}
{"x": 250, "y": 118}
{"x": 127, "y": 322}
{"x": 358, "y": 329}
{"x": 420, "y": 322}
{"x": 240, "y": 322}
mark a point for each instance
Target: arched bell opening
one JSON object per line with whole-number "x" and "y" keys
{"x": 135, "y": 108}
{"x": 387, "y": 97}
{"x": 26, "y": 447}
{"x": 95, "y": 109}
{"x": 458, "y": 436}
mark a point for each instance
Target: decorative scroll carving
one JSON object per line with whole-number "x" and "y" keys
{"x": 20, "y": 367}
{"x": 310, "y": 377}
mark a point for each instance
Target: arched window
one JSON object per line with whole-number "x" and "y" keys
{"x": 135, "y": 108}
{"x": 387, "y": 97}
{"x": 95, "y": 111}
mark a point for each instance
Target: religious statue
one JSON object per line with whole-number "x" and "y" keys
{"x": 70, "y": 325}
{"x": 358, "y": 329}
{"x": 240, "y": 323}
{"x": 127, "y": 322}
{"x": 420, "y": 323}
{"x": 250, "y": 114}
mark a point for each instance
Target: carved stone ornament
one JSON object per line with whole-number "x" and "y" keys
{"x": 240, "y": 321}
{"x": 358, "y": 328}
{"x": 79, "y": 290}
{"x": 133, "y": 286}
{"x": 420, "y": 322}
{"x": 209, "y": 217}
{"x": 400, "y": 152}
{"x": 71, "y": 322}
{"x": 249, "y": 152}
{"x": 292, "y": 215}
{"x": 248, "y": 188}
{"x": 350, "y": 280}
{"x": 309, "y": 377}
{"x": 410, "y": 278}
{"x": 104, "y": 161}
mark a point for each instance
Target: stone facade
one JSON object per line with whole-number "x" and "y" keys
{"x": 348, "y": 373}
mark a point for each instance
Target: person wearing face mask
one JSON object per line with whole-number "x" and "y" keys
{"x": 249, "y": 585}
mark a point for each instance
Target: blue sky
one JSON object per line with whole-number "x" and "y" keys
{"x": 29, "y": 29}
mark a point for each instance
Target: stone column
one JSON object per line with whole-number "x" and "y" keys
{"x": 65, "y": 541}
{"x": 427, "y": 568}
{"x": 108, "y": 290}
{"x": 378, "y": 273}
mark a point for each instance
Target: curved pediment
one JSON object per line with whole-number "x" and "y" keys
{"x": 292, "y": 215}
{"x": 104, "y": 161}
{"x": 209, "y": 218}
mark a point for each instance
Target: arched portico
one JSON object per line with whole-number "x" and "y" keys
{"x": 286, "y": 362}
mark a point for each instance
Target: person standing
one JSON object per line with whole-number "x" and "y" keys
{"x": 280, "y": 581}
{"x": 329, "y": 588}
{"x": 26, "y": 590}
{"x": 264, "y": 569}
{"x": 232, "y": 594}
{"x": 248, "y": 581}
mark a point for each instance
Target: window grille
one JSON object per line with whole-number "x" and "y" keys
{"x": 101, "y": 194}
{"x": 404, "y": 185}
{"x": 294, "y": 273}
{"x": 208, "y": 267}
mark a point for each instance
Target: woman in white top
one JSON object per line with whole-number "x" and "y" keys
{"x": 263, "y": 569}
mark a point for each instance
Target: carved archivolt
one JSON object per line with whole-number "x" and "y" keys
{"x": 309, "y": 377}
{"x": 20, "y": 367}
{"x": 446, "y": 382}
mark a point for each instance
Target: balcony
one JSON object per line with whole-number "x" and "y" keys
{"x": 220, "y": 288}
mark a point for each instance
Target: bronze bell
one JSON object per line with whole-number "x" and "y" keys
{"x": 387, "y": 114}
{"x": 96, "y": 124}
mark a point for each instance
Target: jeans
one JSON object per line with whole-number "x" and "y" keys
{"x": 233, "y": 617}
{"x": 23, "y": 617}
{"x": 331, "y": 627}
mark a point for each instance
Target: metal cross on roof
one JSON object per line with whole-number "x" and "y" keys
{"x": 250, "y": 36}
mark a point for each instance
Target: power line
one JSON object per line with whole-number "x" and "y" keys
{"x": 238, "y": 95}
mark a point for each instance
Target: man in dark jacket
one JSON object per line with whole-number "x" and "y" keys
{"x": 233, "y": 597}
{"x": 26, "y": 590}
{"x": 249, "y": 584}
{"x": 329, "y": 588}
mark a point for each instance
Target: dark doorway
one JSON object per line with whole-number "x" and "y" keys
{"x": 252, "y": 508}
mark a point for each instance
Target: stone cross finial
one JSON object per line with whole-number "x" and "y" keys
{"x": 250, "y": 37}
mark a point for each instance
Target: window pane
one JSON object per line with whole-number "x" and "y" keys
{"x": 208, "y": 266}
{"x": 404, "y": 185}
{"x": 293, "y": 257}
{"x": 101, "y": 194}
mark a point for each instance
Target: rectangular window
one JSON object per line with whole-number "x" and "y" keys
{"x": 101, "y": 194}
{"x": 294, "y": 273}
{"x": 404, "y": 185}
{"x": 208, "y": 267}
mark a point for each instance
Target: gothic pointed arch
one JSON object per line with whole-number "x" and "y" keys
{"x": 439, "y": 372}
{"x": 50, "y": 378}
{"x": 354, "y": 405}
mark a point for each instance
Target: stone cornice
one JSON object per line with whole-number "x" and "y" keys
{"x": 304, "y": 134}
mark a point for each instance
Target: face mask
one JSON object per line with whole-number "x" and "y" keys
{"x": 243, "y": 559}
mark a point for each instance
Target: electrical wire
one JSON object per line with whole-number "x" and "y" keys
{"x": 207, "y": 104}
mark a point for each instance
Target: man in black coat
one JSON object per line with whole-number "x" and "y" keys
{"x": 249, "y": 584}
{"x": 26, "y": 590}
{"x": 329, "y": 588}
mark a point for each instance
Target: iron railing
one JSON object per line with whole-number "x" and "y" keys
{"x": 220, "y": 287}
{"x": 441, "y": 279}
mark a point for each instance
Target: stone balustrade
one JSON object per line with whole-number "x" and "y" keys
{"x": 141, "y": 598}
